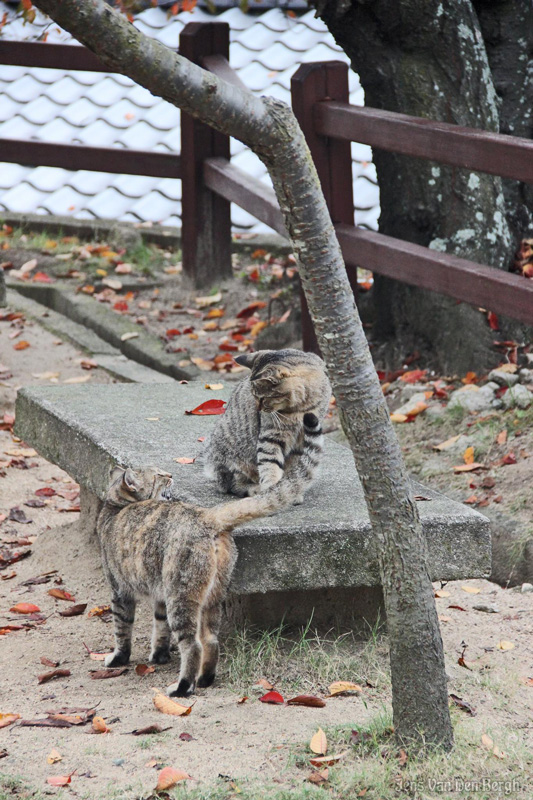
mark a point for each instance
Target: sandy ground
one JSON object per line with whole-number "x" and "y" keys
{"x": 250, "y": 740}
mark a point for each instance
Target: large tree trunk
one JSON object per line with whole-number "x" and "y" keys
{"x": 420, "y": 702}
{"x": 427, "y": 58}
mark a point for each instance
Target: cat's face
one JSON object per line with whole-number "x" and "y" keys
{"x": 285, "y": 380}
{"x": 131, "y": 486}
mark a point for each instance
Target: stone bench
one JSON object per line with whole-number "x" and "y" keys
{"x": 316, "y": 556}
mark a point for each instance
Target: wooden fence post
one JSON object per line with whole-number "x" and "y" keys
{"x": 310, "y": 84}
{"x": 205, "y": 216}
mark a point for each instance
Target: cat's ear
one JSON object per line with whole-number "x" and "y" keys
{"x": 246, "y": 360}
{"x": 131, "y": 481}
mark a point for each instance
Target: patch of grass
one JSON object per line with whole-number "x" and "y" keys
{"x": 13, "y": 788}
{"x": 148, "y": 258}
{"x": 303, "y": 660}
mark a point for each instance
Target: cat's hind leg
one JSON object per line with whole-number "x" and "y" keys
{"x": 123, "y": 609}
{"x": 160, "y": 653}
{"x": 184, "y": 619}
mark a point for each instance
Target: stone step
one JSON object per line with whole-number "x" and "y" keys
{"x": 324, "y": 544}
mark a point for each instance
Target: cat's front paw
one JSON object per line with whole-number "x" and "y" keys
{"x": 206, "y": 679}
{"x": 181, "y": 689}
{"x": 160, "y": 656}
{"x": 116, "y": 659}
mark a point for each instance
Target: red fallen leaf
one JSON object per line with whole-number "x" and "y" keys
{"x": 190, "y": 329}
{"x": 306, "y": 700}
{"x": 61, "y": 594}
{"x": 272, "y": 697}
{"x": 120, "y": 305}
{"x": 228, "y": 347}
{"x": 46, "y": 491}
{"x": 254, "y": 275}
{"x": 60, "y": 780}
{"x": 50, "y": 676}
{"x": 48, "y": 663}
{"x": 242, "y": 700}
{"x": 493, "y": 321}
{"x": 73, "y": 611}
{"x": 102, "y": 674}
{"x": 209, "y": 407}
{"x": 249, "y": 310}
{"x": 510, "y": 458}
{"x": 22, "y": 345}
{"x": 25, "y": 608}
{"x": 186, "y": 737}
{"x": 413, "y": 376}
{"x": 259, "y": 253}
{"x": 144, "y": 669}
{"x": 223, "y": 358}
{"x": 172, "y": 333}
{"x": 459, "y": 608}
{"x": 42, "y": 277}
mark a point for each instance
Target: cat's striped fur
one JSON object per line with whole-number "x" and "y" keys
{"x": 272, "y": 425}
{"x": 181, "y": 556}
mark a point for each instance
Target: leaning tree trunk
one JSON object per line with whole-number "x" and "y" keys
{"x": 427, "y": 58}
{"x": 420, "y": 702}
{"x": 507, "y": 28}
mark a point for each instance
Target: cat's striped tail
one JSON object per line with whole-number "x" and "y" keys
{"x": 228, "y": 516}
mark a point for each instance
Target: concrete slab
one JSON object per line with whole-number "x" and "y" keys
{"x": 326, "y": 542}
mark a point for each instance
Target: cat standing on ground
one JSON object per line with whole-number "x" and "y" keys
{"x": 182, "y": 557}
{"x": 273, "y": 422}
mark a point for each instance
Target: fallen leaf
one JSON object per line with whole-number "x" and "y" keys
{"x": 169, "y": 777}
{"x": 442, "y": 593}
{"x": 149, "y": 729}
{"x": 184, "y": 460}
{"x": 209, "y": 407}
{"x": 527, "y": 681}
{"x": 113, "y": 283}
{"x": 327, "y": 761}
{"x": 50, "y": 676}
{"x": 127, "y": 336}
{"x": 468, "y": 467}
{"x": 112, "y": 672}
{"x": 399, "y": 418}
{"x": 99, "y": 611}
{"x": 25, "y": 608}
{"x": 144, "y": 669}
{"x": 168, "y": 706}
{"x": 73, "y": 611}
{"x": 8, "y": 719}
{"x": 210, "y": 300}
{"x": 463, "y": 705}
{"x": 78, "y": 379}
{"x": 306, "y": 700}
{"x": 343, "y": 687}
{"x": 319, "y": 777}
{"x": 319, "y": 743}
{"x": 505, "y": 645}
{"x": 53, "y": 757}
{"x": 414, "y": 376}
{"x": 265, "y": 684}
{"x": 214, "y": 386}
{"x": 48, "y": 663}
{"x": 61, "y": 594}
{"x": 42, "y": 277}
{"x": 214, "y": 313}
{"x": 444, "y": 618}
{"x": 512, "y": 368}
{"x": 28, "y": 266}
{"x": 185, "y": 737}
{"x": 242, "y": 700}
{"x": 459, "y": 608}
{"x": 22, "y": 345}
{"x": 123, "y": 269}
{"x": 99, "y": 726}
{"x": 17, "y": 515}
{"x": 88, "y": 363}
{"x": 502, "y": 436}
{"x": 274, "y": 698}
{"x": 402, "y": 758}
{"x": 244, "y": 313}
{"x": 59, "y": 780}
{"x": 510, "y": 458}
{"x": 470, "y": 377}
{"x": 470, "y": 589}
{"x": 493, "y": 321}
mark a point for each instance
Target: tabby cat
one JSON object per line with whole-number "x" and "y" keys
{"x": 182, "y": 557}
{"x": 273, "y": 421}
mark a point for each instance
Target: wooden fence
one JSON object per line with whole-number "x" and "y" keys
{"x": 210, "y": 182}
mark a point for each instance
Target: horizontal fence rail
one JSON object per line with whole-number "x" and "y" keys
{"x": 482, "y": 151}
{"x": 97, "y": 159}
{"x": 50, "y": 56}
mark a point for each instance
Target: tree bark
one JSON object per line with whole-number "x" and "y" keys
{"x": 427, "y": 58}
{"x": 269, "y": 127}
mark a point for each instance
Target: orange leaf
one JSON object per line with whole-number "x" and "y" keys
{"x": 467, "y": 467}
{"x": 169, "y": 777}
{"x": 168, "y": 706}
{"x": 469, "y": 378}
{"x": 42, "y": 277}
{"x": 501, "y": 437}
{"x": 99, "y": 611}
{"x": 25, "y": 608}
{"x": 244, "y": 313}
{"x": 214, "y": 313}
{"x": 468, "y": 455}
{"x": 61, "y": 594}
{"x": 8, "y": 719}
{"x": 343, "y": 687}
{"x": 414, "y": 376}
{"x": 59, "y": 780}
{"x": 99, "y": 726}
{"x": 21, "y": 345}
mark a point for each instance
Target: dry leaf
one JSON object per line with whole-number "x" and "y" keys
{"x": 149, "y": 729}
{"x": 448, "y": 443}
{"x": 25, "y": 608}
{"x": 505, "y": 645}
{"x": 327, "y": 761}
{"x": 265, "y": 684}
{"x": 112, "y": 283}
{"x": 211, "y": 300}
{"x": 53, "y": 757}
{"x": 343, "y": 687}
{"x": 512, "y": 368}
{"x": 168, "y": 706}
{"x": 308, "y": 700}
{"x": 8, "y": 719}
{"x": 487, "y": 742}
{"x": 169, "y": 777}
{"x": 399, "y": 417}
{"x": 442, "y": 593}
{"x": 127, "y": 336}
{"x": 78, "y": 379}
{"x": 468, "y": 455}
{"x": 144, "y": 669}
{"x": 470, "y": 589}
{"x": 99, "y": 726}
{"x": 501, "y": 437}
{"x": 242, "y": 700}
{"x": 318, "y": 777}
{"x": 22, "y": 345}
{"x": 111, "y": 672}
{"x": 208, "y": 408}
{"x": 73, "y": 611}
{"x": 214, "y": 386}
{"x": 467, "y": 467}
{"x": 319, "y": 743}
{"x": 61, "y": 594}
{"x": 56, "y": 673}
{"x": 184, "y": 460}
{"x": 59, "y": 780}
{"x": 48, "y": 663}
{"x": 99, "y": 611}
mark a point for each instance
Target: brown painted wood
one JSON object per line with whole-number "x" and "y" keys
{"x": 250, "y": 193}
{"x": 99, "y": 159}
{"x": 51, "y": 56}
{"x": 495, "y": 153}
{"x": 205, "y": 216}
{"x": 493, "y": 289}
{"x": 310, "y": 84}
{"x": 219, "y": 65}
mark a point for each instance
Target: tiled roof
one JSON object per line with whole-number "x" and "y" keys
{"x": 110, "y": 110}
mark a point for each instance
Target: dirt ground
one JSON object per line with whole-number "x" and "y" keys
{"x": 231, "y": 742}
